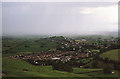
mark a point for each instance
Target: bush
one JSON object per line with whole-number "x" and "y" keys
{"x": 62, "y": 66}
{"x": 95, "y": 64}
{"x": 117, "y": 67}
{"x": 107, "y": 69}
{"x": 106, "y": 60}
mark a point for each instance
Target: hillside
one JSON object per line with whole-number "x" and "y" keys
{"x": 112, "y": 55}
{"x": 18, "y": 68}
{"x": 18, "y": 45}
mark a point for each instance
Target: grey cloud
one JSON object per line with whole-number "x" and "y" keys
{"x": 49, "y": 18}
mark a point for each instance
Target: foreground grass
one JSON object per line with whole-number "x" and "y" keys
{"x": 14, "y": 68}
{"x": 101, "y": 74}
{"x": 79, "y": 70}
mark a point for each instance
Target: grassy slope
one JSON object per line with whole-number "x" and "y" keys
{"x": 95, "y": 72}
{"x": 112, "y": 55}
{"x": 79, "y": 70}
{"x": 14, "y": 68}
{"x": 100, "y": 74}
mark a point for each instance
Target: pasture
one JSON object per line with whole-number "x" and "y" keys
{"x": 112, "y": 55}
{"x": 15, "y": 68}
{"x": 26, "y": 46}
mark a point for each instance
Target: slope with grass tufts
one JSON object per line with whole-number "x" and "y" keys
{"x": 18, "y": 68}
{"x": 112, "y": 55}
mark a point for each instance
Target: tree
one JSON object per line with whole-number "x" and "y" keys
{"x": 117, "y": 67}
{"x": 106, "y": 60}
{"x": 26, "y": 46}
{"x": 107, "y": 69}
{"x": 95, "y": 64}
{"x": 96, "y": 57}
{"x": 62, "y": 66}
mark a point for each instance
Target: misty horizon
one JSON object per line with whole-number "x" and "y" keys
{"x": 62, "y": 18}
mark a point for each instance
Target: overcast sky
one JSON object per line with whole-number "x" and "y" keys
{"x": 59, "y": 18}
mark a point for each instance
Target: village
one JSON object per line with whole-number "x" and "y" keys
{"x": 56, "y": 55}
{"x": 65, "y": 51}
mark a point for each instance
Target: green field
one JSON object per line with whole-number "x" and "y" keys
{"x": 100, "y": 74}
{"x": 26, "y": 46}
{"x": 96, "y": 50}
{"x": 85, "y": 60}
{"x": 14, "y": 68}
{"x": 95, "y": 72}
{"x": 112, "y": 55}
{"x": 79, "y": 70}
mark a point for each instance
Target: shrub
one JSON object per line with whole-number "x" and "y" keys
{"x": 106, "y": 60}
{"x": 107, "y": 69}
{"x": 95, "y": 64}
{"x": 62, "y": 66}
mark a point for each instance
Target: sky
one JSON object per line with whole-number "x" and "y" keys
{"x": 37, "y": 18}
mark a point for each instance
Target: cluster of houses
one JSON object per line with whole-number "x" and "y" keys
{"x": 78, "y": 51}
{"x": 77, "y": 45}
{"x": 64, "y": 56}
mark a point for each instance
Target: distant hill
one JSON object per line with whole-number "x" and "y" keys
{"x": 93, "y": 37}
{"x": 70, "y": 35}
{"x": 114, "y": 34}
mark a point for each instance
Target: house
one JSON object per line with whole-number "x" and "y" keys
{"x": 55, "y": 58}
{"x": 84, "y": 40}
